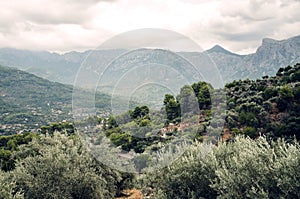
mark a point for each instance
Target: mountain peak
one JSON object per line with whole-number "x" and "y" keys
{"x": 219, "y": 49}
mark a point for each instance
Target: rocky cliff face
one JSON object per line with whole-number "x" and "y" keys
{"x": 268, "y": 58}
{"x": 273, "y": 52}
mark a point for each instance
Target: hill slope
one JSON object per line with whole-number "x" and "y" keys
{"x": 269, "y": 106}
{"x": 28, "y": 101}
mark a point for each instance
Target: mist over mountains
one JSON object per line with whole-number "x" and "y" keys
{"x": 269, "y": 57}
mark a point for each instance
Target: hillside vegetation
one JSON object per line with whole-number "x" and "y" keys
{"x": 245, "y": 168}
{"x": 27, "y": 102}
{"x": 268, "y": 106}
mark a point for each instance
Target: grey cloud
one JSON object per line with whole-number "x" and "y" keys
{"x": 151, "y": 38}
{"x": 58, "y": 17}
{"x": 53, "y": 12}
{"x": 233, "y": 23}
{"x": 254, "y": 20}
{"x": 263, "y": 10}
{"x": 246, "y": 36}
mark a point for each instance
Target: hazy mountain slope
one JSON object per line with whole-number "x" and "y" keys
{"x": 27, "y": 101}
{"x": 52, "y": 66}
{"x": 225, "y": 61}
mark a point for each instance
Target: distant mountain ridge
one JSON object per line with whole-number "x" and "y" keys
{"x": 52, "y": 66}
{"x": 269, "y": 57}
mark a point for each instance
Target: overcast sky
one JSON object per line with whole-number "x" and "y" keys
{"x": 67, "y": 25}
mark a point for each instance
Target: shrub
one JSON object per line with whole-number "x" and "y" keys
{"x": 244, "y": 168}
{"x": 59, "y": 167}
{"x": 250, "y": 131}
{"x": 7, "y": 187}
{"x": 188, "y": 177}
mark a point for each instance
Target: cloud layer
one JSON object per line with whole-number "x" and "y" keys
{"x": 65, "y": 25}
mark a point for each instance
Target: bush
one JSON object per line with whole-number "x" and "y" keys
{"x": 59, "y": 167}
{"x": 7, "y": 187}
{"x": 258, "y": 169}
{"x": 250, "y": 131}
{"x": 188, "y": 177}
{"x": 269, "y": 92}
{"x": 244, "y": 168}
{"x": 248, "y": 119}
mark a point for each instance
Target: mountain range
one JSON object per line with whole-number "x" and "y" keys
{"x": 268, "y": 58}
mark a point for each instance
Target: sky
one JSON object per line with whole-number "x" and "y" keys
{"x": 74, "y": 25}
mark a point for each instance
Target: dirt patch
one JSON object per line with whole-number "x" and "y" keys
{"x": 226, "y": 135}
{"x": 131, "y": 194}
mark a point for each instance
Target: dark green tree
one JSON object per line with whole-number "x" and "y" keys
{"x": 202, "y": 91}
{"x": 172, "y": 108}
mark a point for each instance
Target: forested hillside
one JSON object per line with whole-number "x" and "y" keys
{"x": 269, "y": 106}
{"x": 27, "y": 102}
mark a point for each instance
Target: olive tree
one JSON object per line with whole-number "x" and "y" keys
{"x": 8, "y": 186}
{"x": 59, "y": 167}
{"x": 244, "y": 168}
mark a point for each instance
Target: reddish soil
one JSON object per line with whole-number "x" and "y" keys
{"x": 131, "y": 194}
{"x": 226, "y": 135}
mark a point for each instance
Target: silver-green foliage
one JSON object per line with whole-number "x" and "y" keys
{"x": 258, "y": 169}
{"x": 188, "y": 177}
{"x": 244, "y": 169}
{"x": 7, "y": 187}
{"x": 59, "y": 167}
